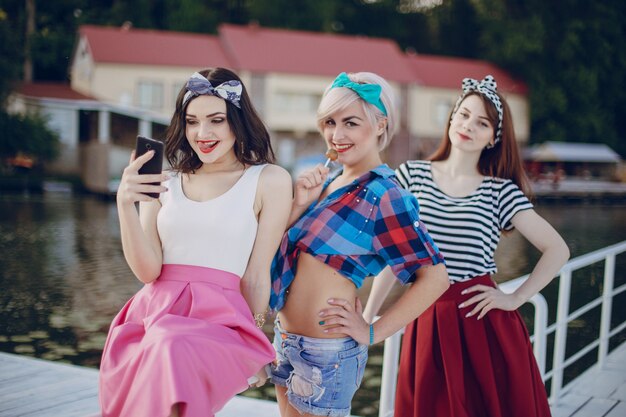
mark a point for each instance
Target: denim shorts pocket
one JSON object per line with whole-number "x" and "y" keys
{"x": 358, "y": 357}
{"x": 319, "y": 358}
{"x": 353, "y": 352}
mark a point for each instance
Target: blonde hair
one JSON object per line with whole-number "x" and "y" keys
{"x": 336, "y": 99}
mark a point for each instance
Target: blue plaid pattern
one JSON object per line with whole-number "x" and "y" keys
{"x": 358, "y": 230}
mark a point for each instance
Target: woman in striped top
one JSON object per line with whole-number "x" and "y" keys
{"x": 469, "y": 354}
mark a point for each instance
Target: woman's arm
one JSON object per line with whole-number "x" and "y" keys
{"x": 383, "y": 283}
{"x": 274, "y": 198}
{"x": 307, "y": 189}
{"x": 140, "y": 239}
{"x": 554, "y": 255}
{"x": 430, "y": 283}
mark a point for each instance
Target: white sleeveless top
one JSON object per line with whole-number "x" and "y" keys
{"x": 218, "y": 233}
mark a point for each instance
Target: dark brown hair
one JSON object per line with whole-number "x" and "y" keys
{"x": 503, "y": 160}
{"x": 252, "y": 140}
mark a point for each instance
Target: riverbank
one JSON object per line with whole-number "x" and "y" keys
{"x": 574, "y": 190}
{"x": 578, "y": 190}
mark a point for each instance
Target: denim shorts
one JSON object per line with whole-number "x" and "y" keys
{"x": 321, "y": 375}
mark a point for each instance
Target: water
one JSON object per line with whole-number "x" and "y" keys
{"x": 63, "y": 275}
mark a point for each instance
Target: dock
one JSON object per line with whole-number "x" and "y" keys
{"x": 578, "y": 189}
{"x": 598, "y": 392}
{"x": 37, "y": 388}
{"x": 32, "y": 387}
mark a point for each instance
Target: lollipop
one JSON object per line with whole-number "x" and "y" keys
{"x": 332, "y": 155}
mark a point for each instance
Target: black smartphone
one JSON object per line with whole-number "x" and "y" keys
{"x": 155, "y": 164}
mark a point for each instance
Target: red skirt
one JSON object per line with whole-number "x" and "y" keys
{"x": 452, "y": 366}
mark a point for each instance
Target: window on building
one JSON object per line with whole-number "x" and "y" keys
{"x": 297, "y": 102}
{"x": 442, "y": 109}
{"x": 176, "y": 87}
{"x": 150, "y": 95}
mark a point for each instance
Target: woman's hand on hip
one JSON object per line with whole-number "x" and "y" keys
{"x": 343, "y": 318}
{"x": 487, "y": 299}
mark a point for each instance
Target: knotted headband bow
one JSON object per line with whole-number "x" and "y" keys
{"x": 488, "y": 88}
{"x": 368, "y": 92}
{"x": 199, "y": 85}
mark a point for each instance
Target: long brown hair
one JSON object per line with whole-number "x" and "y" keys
{"x": 502, "y": 160}
{"x": 252, "y": 140}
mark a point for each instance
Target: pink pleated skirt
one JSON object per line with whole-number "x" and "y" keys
{"x": 189, "y": 339}
{"x": 453, "y": 366}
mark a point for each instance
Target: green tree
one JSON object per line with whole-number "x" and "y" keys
{"x": 27, "y": 135}
{"x": 19, "y": 134}
{"x": 10, "y": 56}
{"x": 572, "y": 54}
{"x": 455, "y": 28}
{"x": 191, "y": 16}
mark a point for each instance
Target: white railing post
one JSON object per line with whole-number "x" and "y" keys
{"x": 560, "y": 338}
{"x": 389, "y": 379}
{"x": 540, "y": 330}
{"x": 607, "y": 305}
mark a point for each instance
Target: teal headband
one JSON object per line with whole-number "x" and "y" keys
{"x": 368, "y": 92}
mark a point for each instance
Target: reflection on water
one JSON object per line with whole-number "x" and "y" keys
{"x": 63, "y": 275}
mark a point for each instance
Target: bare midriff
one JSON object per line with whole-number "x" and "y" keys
{"x": 314, "y": 283}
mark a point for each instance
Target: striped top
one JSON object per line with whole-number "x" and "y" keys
{"x": 466, "y": 229}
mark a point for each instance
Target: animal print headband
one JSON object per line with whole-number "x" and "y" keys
{"x": 200, "y": 85}
{"x": 488, "y": 88}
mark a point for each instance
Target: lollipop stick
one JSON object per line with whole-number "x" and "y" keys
{"x": 332, "y": 155}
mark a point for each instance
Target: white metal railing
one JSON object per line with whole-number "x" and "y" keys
{"x": 541, "y": 328}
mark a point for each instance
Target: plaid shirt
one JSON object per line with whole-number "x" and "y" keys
{"x": 358, "y": 230}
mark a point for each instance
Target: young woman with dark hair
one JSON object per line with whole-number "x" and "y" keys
{"x": 191, "y": 338}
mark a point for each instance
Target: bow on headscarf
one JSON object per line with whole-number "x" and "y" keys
{"x": 368, "y": 92}
{"x": 488, "y": 88}
{"x": 199, "y": 85}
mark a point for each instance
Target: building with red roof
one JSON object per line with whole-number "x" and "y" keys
{"x": 446, "y": 72}
{"x": 138, "y": 67}
{"x": 134, "y": 76}
{"x": 436, "y": 87}
{"x": 265, "y": 50}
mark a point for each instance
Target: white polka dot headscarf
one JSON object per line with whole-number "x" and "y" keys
{"x": 488, "y": 88}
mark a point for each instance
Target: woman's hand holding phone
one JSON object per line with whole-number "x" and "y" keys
{"x": 135, "y": 186}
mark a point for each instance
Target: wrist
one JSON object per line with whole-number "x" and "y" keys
{"x": 259, "y": 319}
{"x": 518, "y": 300}
{"x": 298, "y": 204}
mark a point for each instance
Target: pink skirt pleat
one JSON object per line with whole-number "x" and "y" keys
{"x": 189, "y": 339}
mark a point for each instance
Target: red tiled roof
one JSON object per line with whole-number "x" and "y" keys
{"x": 51, "y": 90}
{"x": 153, "y": 47}
{"x": 259, "y": 49}
{"x": 448, "y": 72}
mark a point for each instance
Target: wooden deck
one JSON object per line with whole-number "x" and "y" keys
{"x": 597, "y": 392}
{"x": 37, "y": 388}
